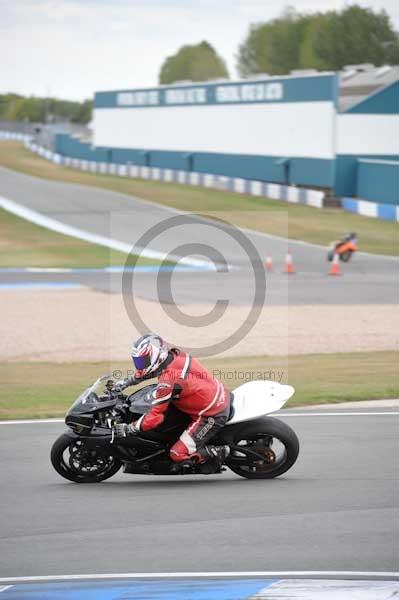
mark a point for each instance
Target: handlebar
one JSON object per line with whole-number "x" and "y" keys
{"x": 120, "y": 385}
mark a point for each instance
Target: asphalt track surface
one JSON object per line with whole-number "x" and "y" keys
{"x": 336, "y": 509}
{"x": 367, "y": 279}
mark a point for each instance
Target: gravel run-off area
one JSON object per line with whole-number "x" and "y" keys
{"x": 85, "y": 325}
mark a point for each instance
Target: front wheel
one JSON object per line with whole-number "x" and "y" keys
{"x": 263, "y": 450}
{"x": 74, "y": 460}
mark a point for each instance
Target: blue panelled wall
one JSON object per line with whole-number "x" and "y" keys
{"x": 365, "y": 174}
{"x": 347, "y": 181}
{"x": 310, "y": 172}
{"x": 378, "y": 181}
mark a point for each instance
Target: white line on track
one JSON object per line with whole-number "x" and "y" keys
{"x": 5, "y": 587}
{"x": 282, "y": 415}
{"x": 60, "y": 227}
{"x": 339, "y": 414}
{"x": 31, "y": 421}
{"x": 218, "y": 574}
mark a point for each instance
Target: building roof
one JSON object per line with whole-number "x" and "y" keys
{"x": 356, "y": 82}
{"x": 359, "y": 81}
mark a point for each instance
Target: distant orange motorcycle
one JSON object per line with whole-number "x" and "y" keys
{"x": 344, "y": 248}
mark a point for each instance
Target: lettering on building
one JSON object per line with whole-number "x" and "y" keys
{"x": 249, "y": 92}
{"x": 186, "y": 96}
{"x": 140, "y": 98}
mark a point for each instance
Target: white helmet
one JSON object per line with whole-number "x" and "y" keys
{"x": 148, "y": 353}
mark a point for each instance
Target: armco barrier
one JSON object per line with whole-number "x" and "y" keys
{"x": 387, "y": 212}
{"x": 244, "y": 186}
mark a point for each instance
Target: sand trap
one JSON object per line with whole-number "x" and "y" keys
{"x": 74, "y": 325}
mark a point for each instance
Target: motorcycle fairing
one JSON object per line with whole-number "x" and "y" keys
{"x": 257, "y": 398}
{"x": 140, "y": 400}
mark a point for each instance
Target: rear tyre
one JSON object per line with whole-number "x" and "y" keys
{"x": 73, "y": 460}
{"x": 346, "y": 256}
{"x": 272, "y": 448}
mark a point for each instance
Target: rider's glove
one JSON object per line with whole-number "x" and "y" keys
{"x": 124, "y": 429}
{"x": 122, "y": 384}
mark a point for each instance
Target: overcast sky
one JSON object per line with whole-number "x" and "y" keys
{"x": 71, "y": 48}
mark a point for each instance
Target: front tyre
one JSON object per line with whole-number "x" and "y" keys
{"x": 74, "y": 460}
{"x": 263, "y": 450}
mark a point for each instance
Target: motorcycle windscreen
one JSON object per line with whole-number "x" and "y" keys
{"x": 89, "y": 397}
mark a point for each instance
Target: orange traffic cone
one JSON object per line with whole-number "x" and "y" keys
{"x": 269, "y": 263}
{"x": 289, "y": 267}
{"x": 335, "y": 269}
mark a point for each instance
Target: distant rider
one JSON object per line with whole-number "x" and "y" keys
{"x": 350, "y": 237}
{"x": 184, "y": 382}
{"x": 346, "y": 239}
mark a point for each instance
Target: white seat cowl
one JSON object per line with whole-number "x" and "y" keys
{"x": 258, "y": 398}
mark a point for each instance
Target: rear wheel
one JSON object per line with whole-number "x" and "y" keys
{"x": 263, "y": 450}
{"x": 345, "y": 256}
{"x": 74, "y": 460}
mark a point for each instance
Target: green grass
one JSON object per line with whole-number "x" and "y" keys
{"x": 269, "y": 216}
{"x": 24, "y": 244}
{"x": 39, "y": 390}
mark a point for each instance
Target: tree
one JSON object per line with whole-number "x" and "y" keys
{"x": 314, "y": 31}
{"x": 324, "y": 41}
{"x": 37, "y": 110}
{"x": 82, "y": 112}
{"x": 273, "y": 47}
{"x": 194, "y": 63}
{"x": 356, "y": 35}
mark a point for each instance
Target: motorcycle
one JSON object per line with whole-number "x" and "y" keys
{"x": 261, "y": 447}
{"x": 344, "y": 248}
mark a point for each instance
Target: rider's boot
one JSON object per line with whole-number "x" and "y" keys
{"x": 185, "y": 466}
{"x": 213, "y": 457}
{"x": 210, "y": 458}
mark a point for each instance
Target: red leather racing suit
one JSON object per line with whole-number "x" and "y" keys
{"x": 185, "y": 383}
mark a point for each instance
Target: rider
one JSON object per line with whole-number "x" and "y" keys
{"x": 184, "y": 382}
{"x": 348, "y": 237}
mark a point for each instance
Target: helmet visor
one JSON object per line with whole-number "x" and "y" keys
{"x": 141, "y": 362}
